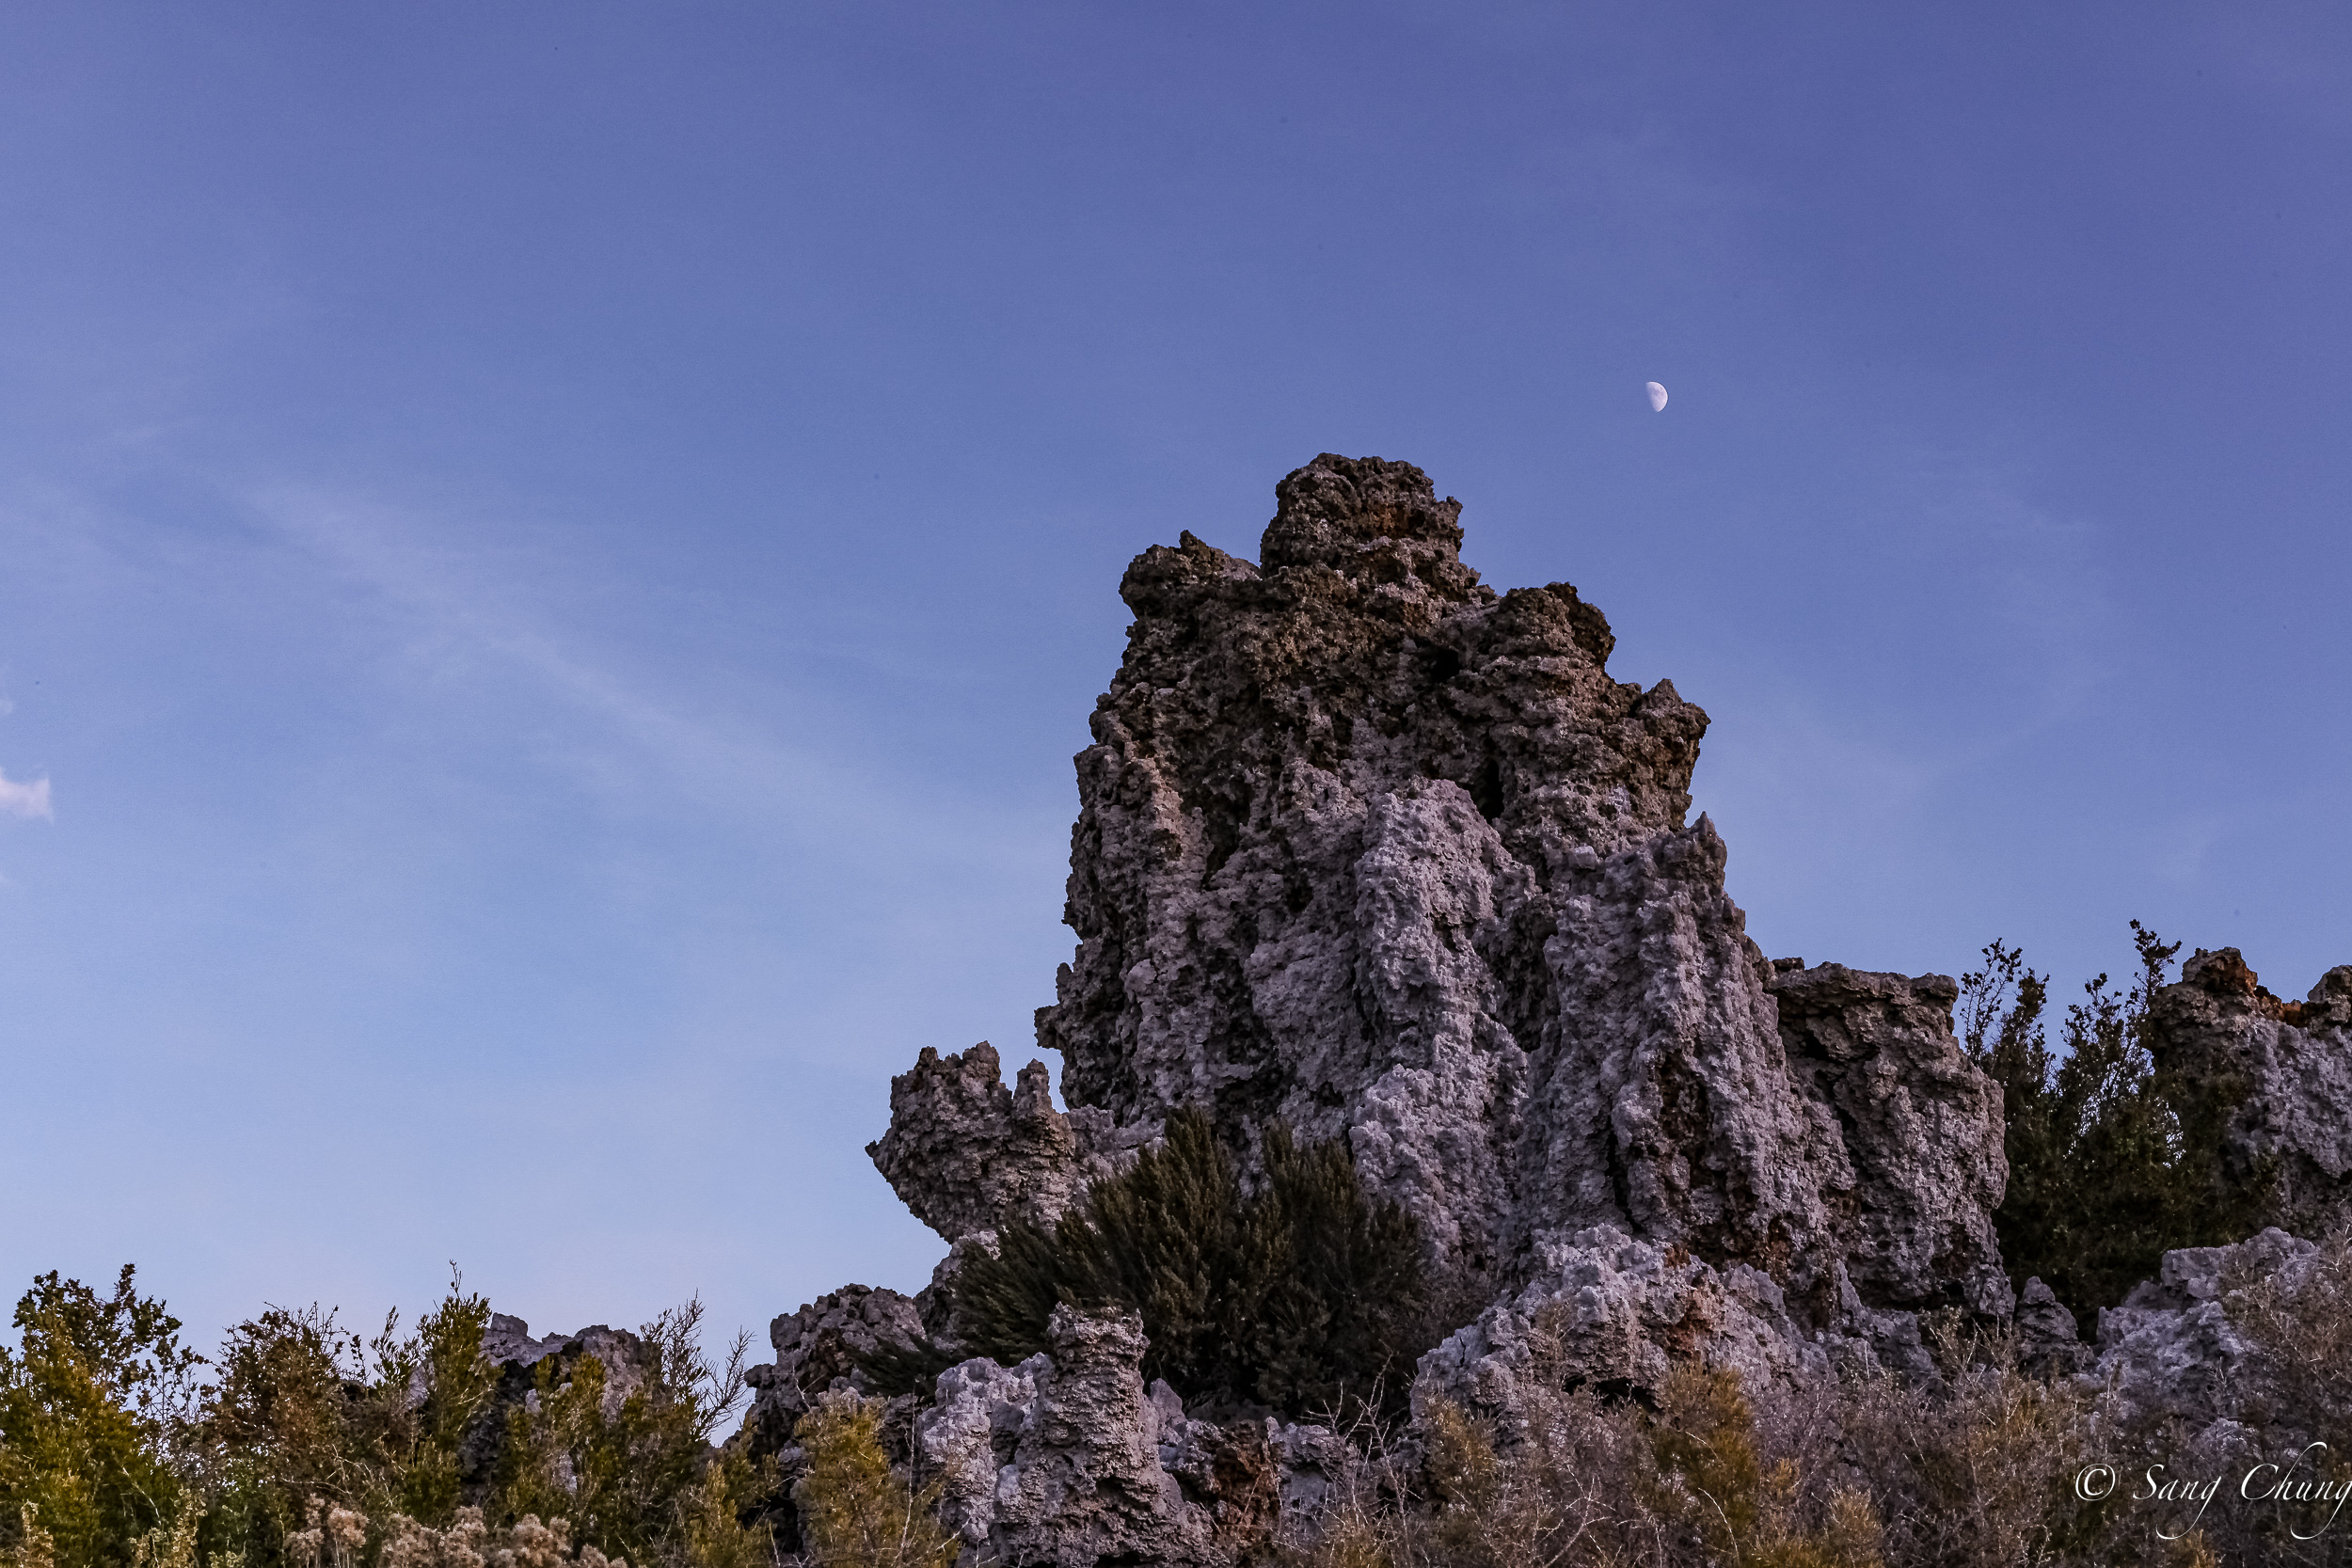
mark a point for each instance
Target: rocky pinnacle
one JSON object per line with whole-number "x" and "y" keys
{"x": 1364, "y": 844}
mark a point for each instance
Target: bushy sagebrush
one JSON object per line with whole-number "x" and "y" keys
{"x": 335, "y": 1537}
{"x": 317, "y": 1448}
{"x": 854, "y": 1511}
{"x": 1304, "y": 1297}
{"x": 1582, "y": 1484}
{"x": 1970, "y": 1470}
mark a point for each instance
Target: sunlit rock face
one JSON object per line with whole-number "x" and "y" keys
{"x": 1367, "y": 846}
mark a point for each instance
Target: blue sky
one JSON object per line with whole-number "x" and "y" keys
{"x": 555, "y": 555}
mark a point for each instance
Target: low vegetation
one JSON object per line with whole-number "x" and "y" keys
{"x": 1974, "y": 1470}
{"x": 304, "y": 1445}
{"x": 1307, "y": 1297}
{"x": 854, "y": 1511}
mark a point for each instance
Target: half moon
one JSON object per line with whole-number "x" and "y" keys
{"x": 1656, "y": 397}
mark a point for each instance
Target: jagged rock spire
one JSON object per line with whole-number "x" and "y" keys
{"x": 1364, "y": 844}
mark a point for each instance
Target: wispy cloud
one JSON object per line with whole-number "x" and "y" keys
{"x": 448, "y": 597}
{"x": 25, "y": 799}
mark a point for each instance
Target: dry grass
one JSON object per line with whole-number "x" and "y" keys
{"x": 338, "y": 1538}
{"x": 1973, "y": 1470}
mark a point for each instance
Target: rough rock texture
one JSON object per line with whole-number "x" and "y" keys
{"x": 1367, "y": 846}
{"x": 816, "y": 1350}
{"x": 2286, "y": 1070}
{"x": 2177, "y": 1351}
{"x": 1612, "y": 1313}
{"x": 2049, "y": 1340}
{"x": 1921, "y": 1129}
{"x": 966, "y": 1153}
{"x": 1066, "y": 1459}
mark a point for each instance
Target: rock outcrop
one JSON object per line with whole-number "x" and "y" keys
{"x": 507, "y": 1345}
{"x": 2202, "y": 1348}
{"x": 2277, "y": 1074}
{"x": 1612, "y": 1313}
{"x": 2049, "y": 1340}
{"x": 1066, "y": 1459}
{"x": 1367, "y": 846}
{"x": 1921, "y": 1133}
{"x": 817, "y": 1352}
{"x": 966, "y": 1154}
{"x": 1370, "y": 849}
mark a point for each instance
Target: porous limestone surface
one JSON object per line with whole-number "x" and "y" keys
{"x": 966, "y": 1153}
{"x": 1367, "y": 846}
{"x": 2179, "y": 1352}
{"x": 1068, "y": 1460}
{"x": 2284, "y": 1068}
{"x": 1613, "y": 1314}
{"x": 817, "y": 1350}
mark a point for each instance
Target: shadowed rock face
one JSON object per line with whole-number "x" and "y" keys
{"x": 816, "y": 1353}
{"x": 1919, "y": 1132}
{"x": 2276, "y": 1074}
{"x": 1369, "y": 846}
{"x": 966, "y": 1153}
{"x": 2179, "y": 1346}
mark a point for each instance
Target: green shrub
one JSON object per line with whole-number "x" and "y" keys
{"x": 306, "y": 1410}
{"x": 315, "y": 1446}
{"x": 632, "y": 1469}
{"x": 1713, "y": 1485}
{"x": 1305, "y": 1298}
{"x": 854, "y": 1512}
{"x": 90, "y": 1401}
{"x": 2111, "y": 1162}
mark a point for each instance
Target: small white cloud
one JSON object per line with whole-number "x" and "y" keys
{"x": 25, "y": 799}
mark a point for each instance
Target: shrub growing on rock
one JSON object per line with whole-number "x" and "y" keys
{"x": 1303, "y": 1297}
{"x": 2111, "y": 1162}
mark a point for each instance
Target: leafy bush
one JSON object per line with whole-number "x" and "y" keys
{"x": 90, "y": 1404}
{"x": 1303, "y": 1298}
{"x": 2111, "y": 1162}
{"x": 314, "y": 1446}
{"x": 854, "y": 1512}
{"x": 632, "y": 1468}
{"x": 305, "y": 1410}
